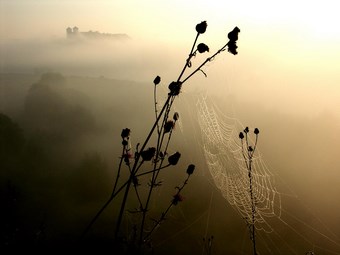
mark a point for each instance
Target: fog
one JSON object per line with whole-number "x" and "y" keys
{"x": 64, "y": 103}
{"x": 120, "y": 59}
{"x": 290, "y": 78}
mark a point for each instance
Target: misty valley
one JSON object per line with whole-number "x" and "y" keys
{"x": 60, "y": 148}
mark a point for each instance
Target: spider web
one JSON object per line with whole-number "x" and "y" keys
{"x": 223, "y": 153}
{"x": 218, "y": 136}
{"x": 279, "y": 229}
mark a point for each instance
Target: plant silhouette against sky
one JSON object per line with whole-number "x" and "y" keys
{"x": 157, "y": 154}
{"x": 248, "y": 151}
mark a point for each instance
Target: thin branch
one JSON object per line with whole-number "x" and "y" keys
{"x": 189, "y": 58}
{"x": 151, "y": 171}
{"x": 155, "y": 103}
{"x": 119, "y": 169}
{"x": 206, "y": 61}
{"x": 173, "y": 202}
{"x": 94, "y": 219}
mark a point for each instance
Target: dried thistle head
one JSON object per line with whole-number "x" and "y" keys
{"x": 157, "y": 80}
{"x": 125, "y": 133}
{"x": 201, "y": 48}
{"x": 233, "y": 35}
{"x": 177, "y": 198}
{"x": 190, "y": 169}
{"x": 174, "y": 158}
{"x": 148, "y": 154}
{"x": 232, "y": 47}
{"x": 176, "y": 116}
{"x": 175, "y": 88}
{"x": 201, "y": 27}
{"x": 168, "y": 126}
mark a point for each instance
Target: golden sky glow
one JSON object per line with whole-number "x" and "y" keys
{"x": 315, "y": 18}
{"x": 292, "y": 43}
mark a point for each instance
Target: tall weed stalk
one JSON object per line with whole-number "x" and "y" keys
{"x": 158, "y": 154}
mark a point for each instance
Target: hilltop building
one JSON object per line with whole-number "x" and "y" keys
{"x": 75, "y": 33}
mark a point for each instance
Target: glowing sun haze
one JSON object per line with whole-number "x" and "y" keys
{"x": 152, "y": 17}
{"x": 283, "y": 45}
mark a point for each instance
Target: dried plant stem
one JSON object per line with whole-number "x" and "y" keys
{"x": 151, "y": 171}
{"x": 165, "y": 109}
{"x": 161, "y": 119}
{"x": 189, "y": 58}
{"x": 122, "y": 208}
{"x": 248, "y": 154}
{"x": 112, "y": 196}
{"x": 162, "y": 218}
{"x": 94, "y": 219}
{"x": 253, "y": 208}
{"x": 156, "y": 169}
{"x": 155, "y": 103}
{"x": 168, "y": 106}
{"x": 206, "y": 61}
{"x": 134, "y": 169}
{"x": 119, "y": 169}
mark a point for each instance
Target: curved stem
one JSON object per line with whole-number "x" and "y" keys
{"x": 189, "y": 58}
{"x": 162, "y": 218}
{"x": 207, "y": 60}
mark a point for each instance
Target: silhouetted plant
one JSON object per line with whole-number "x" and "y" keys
{"x": 248, "y": 151}
{"x": 175, "y": 200}
{"x": 157, "y": 154}
{"x": 207, "y": 249}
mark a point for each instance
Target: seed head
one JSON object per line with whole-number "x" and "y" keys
{"x": 201, "y": 48}
{"x": 174, "y": 158}
{"x": 157, "y": 80}
{"x": 168, "y": 126}
{"x": 148, "y": 154}
{"x": 190, "y": 169}
{"x": 176, "y": 116}
{"x": 201, "y": 27}
{"x": 125, "y": 133}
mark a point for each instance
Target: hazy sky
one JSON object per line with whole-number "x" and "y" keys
{"x": 285, "y": 47}
{"x": 312, "y": 20}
